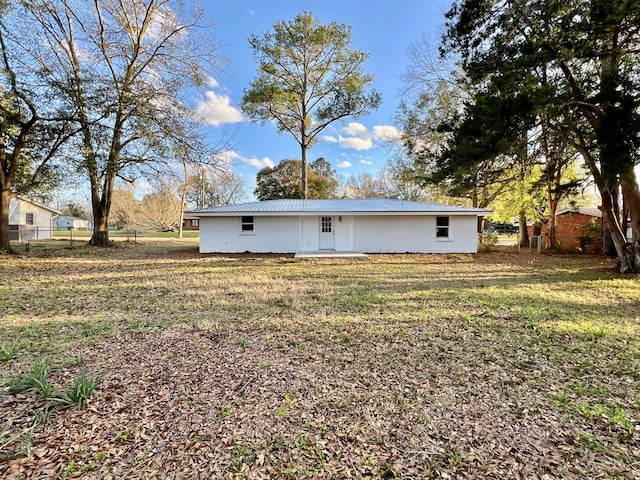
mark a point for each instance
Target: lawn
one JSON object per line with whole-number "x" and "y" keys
{"x": 496, "y": 365}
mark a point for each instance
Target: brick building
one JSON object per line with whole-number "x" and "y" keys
{"x": 574, "y": 229}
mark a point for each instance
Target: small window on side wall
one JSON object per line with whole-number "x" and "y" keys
{"x": 442, "y": 227}
{"x": 247, "y": 224}
{"x": 31, "y": 219}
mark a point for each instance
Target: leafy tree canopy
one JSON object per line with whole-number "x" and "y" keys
{"x": 282, "y": 181}
{"x": 573, "y": 64}
{"x": 308, "y": 77}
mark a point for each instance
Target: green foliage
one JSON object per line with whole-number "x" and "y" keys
{"x": 288, "y": 402}
{"x": 9, "y": 351}
{"x": 36, "y": 379}
{"x": 283, "y": 180}
{"x": 14, "y": 444}
{"x": 123, "y": 435}
{"x": 78, "y": 394}
{"x": 571, "y": 74}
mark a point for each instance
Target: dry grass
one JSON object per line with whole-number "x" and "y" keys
{"x": 495, "y": 365}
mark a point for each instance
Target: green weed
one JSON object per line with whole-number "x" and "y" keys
{"x": 10, "y": 351}
{"x": 612, "y": 414}
{"x": 123, "y": 435}
{"x": 37, "y": 379}
{"x": 76, "y": 395}
{"x": 289, "y": 400}
{"x": 588, "y": 441}
{"x": 14, "y": 445}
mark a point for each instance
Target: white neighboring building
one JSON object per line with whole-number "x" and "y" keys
{"x": 29, "y": 220}
{"x": 71, "y": 223}
{"x": 366, "y": 226}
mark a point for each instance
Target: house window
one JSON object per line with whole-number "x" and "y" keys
{"x": 326, "y": 225}
{"x": 442, "y": 227}
{"x": 247, "y": 224}
{"x": 31, "y": 219}
{"x": 194, "y": 223}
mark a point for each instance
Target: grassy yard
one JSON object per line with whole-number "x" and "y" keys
{"x": 496, "y": 365}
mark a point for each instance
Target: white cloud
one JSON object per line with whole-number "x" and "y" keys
{"x": 216, "y": 109}
{"x": 229, "y": 156}
{"x": 259, "y": 163}
{"x": 356, "y": 136}
{"x": 344, "y": 164}
{"x": 355, "y": 129}
{"x": 212, "y": 82}
{"x": 387, "y": 133}
{"x": 355, "y": 142}
{"x": 366, "y": 162}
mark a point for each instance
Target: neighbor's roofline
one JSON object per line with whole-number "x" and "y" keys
{"x": 37, "y": 204}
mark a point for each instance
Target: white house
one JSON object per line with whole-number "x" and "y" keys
{"x": 29, "y": 220}
{"x": 64, "y": 222}
{"x": 367, "y": 226}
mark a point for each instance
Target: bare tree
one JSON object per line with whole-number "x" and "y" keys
{"x": 363, "y": 185}
{"x": 31, "y": 134}
{"x": 123, "y": 67}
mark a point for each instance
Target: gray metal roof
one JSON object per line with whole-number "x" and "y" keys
{"x": 591, "y": 211}
{"x": 344, "y": 206}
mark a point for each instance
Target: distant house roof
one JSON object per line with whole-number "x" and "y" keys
{"x": 68, "y": 217}
{"x": 344, "y": 206}
{"x": 591, "y": 211}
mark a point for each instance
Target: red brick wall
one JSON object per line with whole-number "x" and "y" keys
{"x": 569, "y": 228}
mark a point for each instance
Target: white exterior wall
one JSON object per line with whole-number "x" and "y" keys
{"x": 310, "y": 234}
{"x": 63, "y": 223}
{"x": 416, "y": 234}
{"x": 344, "y": 228}
{"x": 367, "y": 234}
{"x": 270, "y": 234}
{"x": 42, "y": 229}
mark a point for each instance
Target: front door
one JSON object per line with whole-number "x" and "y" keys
{"x": 327, "y": 234}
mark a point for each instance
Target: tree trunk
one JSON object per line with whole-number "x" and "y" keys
{"x": 552, "y": 241}
{"x": 100, "y": 237}
{"x": 5, "y": 198}
{"x": 304, "y": 188}
{"x": 629, "y": 261}
{"x": 608, "y": 248}
{"x": 101, "y": 208}
{"x": 631, "y": 197}
{"x": 524, "y": 233}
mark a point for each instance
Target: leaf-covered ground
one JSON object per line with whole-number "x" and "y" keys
{"x": 495, "y": 365}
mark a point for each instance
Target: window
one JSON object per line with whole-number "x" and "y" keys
{"x": 31, "y": 219}
{"x": 247, "y": 224}
{"x": 442, "y": 227}
{"x": 326, "y": 225}
{"x": 194, "y": 223}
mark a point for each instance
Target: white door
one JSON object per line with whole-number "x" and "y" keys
{"x": 327, "y": 234}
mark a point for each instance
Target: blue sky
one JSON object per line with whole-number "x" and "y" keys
{"x": 385, "y": 29}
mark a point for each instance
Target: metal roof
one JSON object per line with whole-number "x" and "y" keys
{"x": 344, "y": 206}
{"x": 591, "y": 211}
